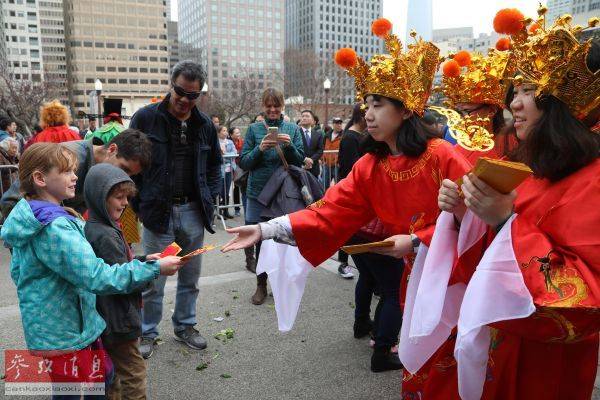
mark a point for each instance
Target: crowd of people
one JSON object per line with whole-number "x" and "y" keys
{"x": 482, "y": 292}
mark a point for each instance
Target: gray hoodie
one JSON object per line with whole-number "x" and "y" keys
{"x": 121, "y": 312}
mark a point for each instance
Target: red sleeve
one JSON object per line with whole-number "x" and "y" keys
{"x": 451, "y": 165}
{"x": 322, "y": 228}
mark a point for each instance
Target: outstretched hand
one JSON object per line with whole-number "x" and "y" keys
{"x": 246, "y": 236}
{"x": 402, "y": 246}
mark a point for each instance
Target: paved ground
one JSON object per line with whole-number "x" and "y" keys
{"x": 319, "y": 359}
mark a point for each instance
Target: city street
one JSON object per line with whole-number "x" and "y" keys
{"x": 318, "y": 359}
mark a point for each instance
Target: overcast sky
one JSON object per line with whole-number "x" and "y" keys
{"x": 449, "y": 13}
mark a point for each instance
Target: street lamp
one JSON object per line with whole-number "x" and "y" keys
{"x": 98, "y": 88}
{"x": 327, "y": 87}
{"x": 204, "y": 92}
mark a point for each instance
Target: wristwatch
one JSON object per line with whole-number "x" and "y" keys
{"x": 415, "y": 242}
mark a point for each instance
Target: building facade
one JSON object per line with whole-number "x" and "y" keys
{"x": 581, "y": 10}
{"x": 173, "y": 38}
{"x": 315, "y": 30}
{"x": 52, "y": 35}
{"x": 123, "y": 43}
{"x": 443, "y": 35}
{"x": 240, "y": 42}
{"x": 21, "y": 26}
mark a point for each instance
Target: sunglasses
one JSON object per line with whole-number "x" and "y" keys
{"x": 182, "y": 93}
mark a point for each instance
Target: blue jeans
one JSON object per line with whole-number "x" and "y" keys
{"x": 224, "y": 195}
{"x": 385, "y": 273}
{"x": 187, "y": 229}
{"x": 253, "y": 211}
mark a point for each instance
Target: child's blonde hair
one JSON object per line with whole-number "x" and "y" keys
{"x": 43, "y": 157}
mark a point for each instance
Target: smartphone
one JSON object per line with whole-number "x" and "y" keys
{"x": 273, "y": 131}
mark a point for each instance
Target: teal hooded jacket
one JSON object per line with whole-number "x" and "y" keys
{"x": 58, "y": 276}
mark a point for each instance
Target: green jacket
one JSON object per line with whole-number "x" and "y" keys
{"x": 261, "y": 165}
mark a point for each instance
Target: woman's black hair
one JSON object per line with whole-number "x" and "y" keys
{"x": 559, "y": 144}
{"x": 358, "y": 115}
{"x": 233, "y": 128}
{"x": 411, "y": 139}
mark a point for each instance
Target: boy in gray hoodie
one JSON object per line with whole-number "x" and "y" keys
{"x": 106, "y": 190}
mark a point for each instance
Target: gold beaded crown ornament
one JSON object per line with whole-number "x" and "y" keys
{"x": 475, "y": 78}
{"x": 551, "y": 58}
{"x": 407, "y": 77}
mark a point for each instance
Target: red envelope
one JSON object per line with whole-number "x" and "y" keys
{"x": 171, "y": 250}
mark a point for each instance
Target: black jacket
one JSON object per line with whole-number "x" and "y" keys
{"x": 349, "y": 152}
{"x": 288, "y": 191}
{"x": 315, "y": 149}
{"x": 121, "y": 312}
{"x": 153, "y": 203}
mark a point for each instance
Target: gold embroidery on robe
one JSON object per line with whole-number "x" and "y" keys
{"x": 416, "y": 169}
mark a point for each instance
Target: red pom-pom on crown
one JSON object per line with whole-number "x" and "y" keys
{"x": 503, "y": 44}
{"x": 381, "y": 27}
{"x": 346, "y": 58}
{"x": 508, "y": 21}
{"x": 451, "y": 69}
{"x": 463, "y": 58}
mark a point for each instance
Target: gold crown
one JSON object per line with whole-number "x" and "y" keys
{"x": 552, "y": 58}
{"x": 475, "y": 78}
{"x": 407, "y": 77}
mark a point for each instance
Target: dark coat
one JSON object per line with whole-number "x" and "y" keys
{"x": 315, "y": 149}
{"x": 153, "y": 203}
{"x": 288, "y": 191}
{"x": 122, "y": 312}
{"x": 349, "y": 152}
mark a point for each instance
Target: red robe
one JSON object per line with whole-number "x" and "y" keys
{"x": 553, "y": 354}
{"x": 54, "y": 134}
{"x": 401, "y": 191}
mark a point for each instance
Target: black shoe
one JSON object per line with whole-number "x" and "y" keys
{"x": 384, "y": 360}
{"x": 191, "y": 337}
{"x": 362, "y": 328}
{"x": 147, "y": 347}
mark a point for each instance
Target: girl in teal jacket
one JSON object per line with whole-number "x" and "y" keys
{"x": 54, "y": 268}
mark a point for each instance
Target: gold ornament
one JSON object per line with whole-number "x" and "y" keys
{"x": 485, "y": 80}
{"x": 405, "y": 76}
{"x": 553, "y": 60}
{"x": 470, "y": 132}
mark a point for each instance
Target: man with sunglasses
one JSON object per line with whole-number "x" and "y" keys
{"x": 176, "y": 196}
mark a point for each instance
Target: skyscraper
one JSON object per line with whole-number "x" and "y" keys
{"x": 419, "y": 19}
{"x": 237, "y": 40}
{"x": 173, "y": 43}
{"x": 121, "y": 42}
{"x": 581, "y": 10}
{"x": 315, "y": 30}
{"x": 22, "y": 38}
{"x": 52, "y": 35}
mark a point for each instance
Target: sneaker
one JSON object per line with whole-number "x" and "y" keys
{"x": 147, "y": 347}
{"x": 345, "y": 271}
{"x": 191, "y": 337}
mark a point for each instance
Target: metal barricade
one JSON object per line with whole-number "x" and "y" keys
{"x": 227, "y": 189}
{"x": 329, "y": 169}
{"x": 8, "y": 174}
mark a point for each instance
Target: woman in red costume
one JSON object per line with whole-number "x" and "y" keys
{"x": 523, "y": 287}
{"x": 397, "y": 180}
{"x": 54, "y": 119}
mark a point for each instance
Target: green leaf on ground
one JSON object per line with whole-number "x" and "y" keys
{"x": 226, "y": 376}
{"x": 225, "y": 334}
{"x": 236, "y": 297}
{"x": 228, "y": 313}
{"x": 201, "y": 366}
